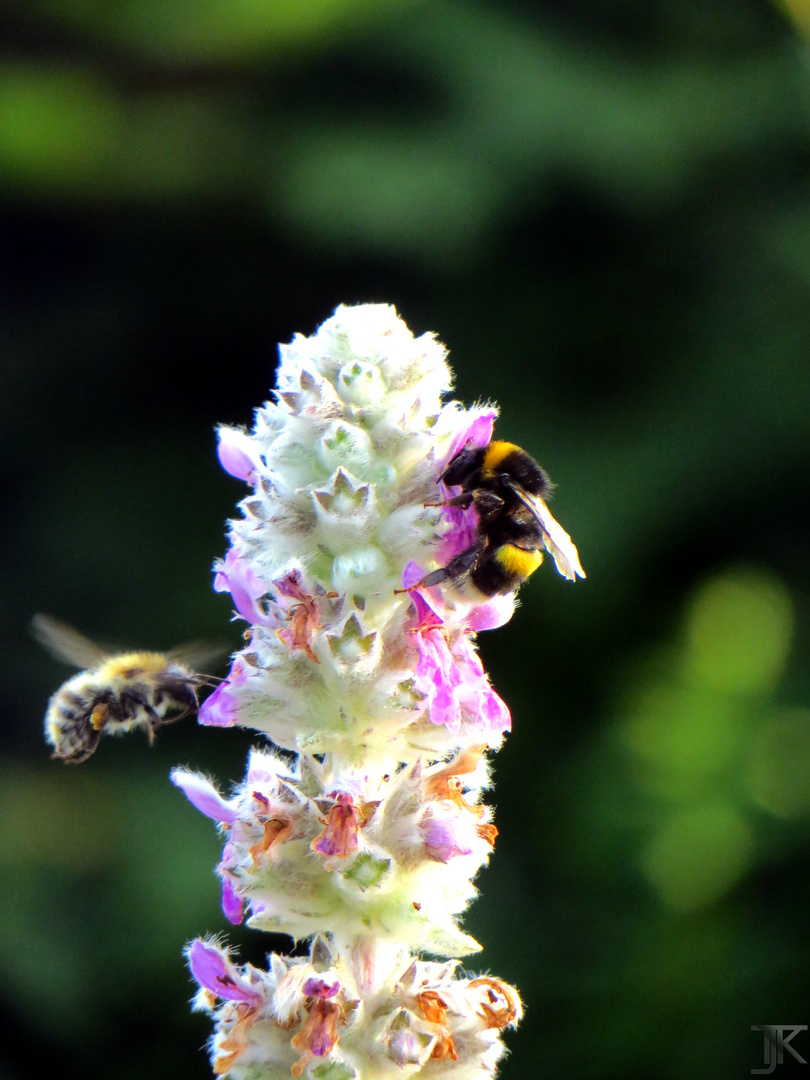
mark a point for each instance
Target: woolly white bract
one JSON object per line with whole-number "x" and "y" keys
{"x": 341, "y": 468}
{"x": 364, "y": 830}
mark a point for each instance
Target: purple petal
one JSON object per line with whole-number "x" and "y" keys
{"x": 292, "y": 585}
{"x": 261, "y": 769}
{"x": 218, "y": 710}
{"x": 236, "y": 576}
{"x": 233, "y": 454}
{"x": 427, "y": 617}
{"x": 202, "y": 794}
{"x": 321, "y": 989}
{"x": 496, "y": 713}
{"x": 232, "y": 904}
{"x": 444, "y": 708}
{"x": 412, "y": 575}
{"x": 462, "y": 535}
{"x": 444, "y": 838}
{"x": 213, "y": 970}
{"x": 478, "y": 432}
{"x": 494, "y": 613}
{"x": 322, "y": 1034}
{"x": 448, "y": 668}
{"x": 438, "y": 676}
{"x": 468, "y": 662}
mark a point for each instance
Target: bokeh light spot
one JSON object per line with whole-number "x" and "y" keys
{"x": 777, "y": 771}
{"x": 698, "y": 855}
{"x": 738, "y": 632}
{"x": 208, "y": 30}
{"x": 62, "y": 820}
{"x": 799, "y": 11}
{"x": 56, "y": 123}
{"x": 386, "y": 189}
{"x": 683, "y": 738}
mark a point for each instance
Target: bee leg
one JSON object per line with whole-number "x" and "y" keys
{"x": 463, "y": 500}
{"x": 462, "y": 564}
{"x": 434, "y": 578}
{"x": 77, "y": 758}
{"x": 155, "y": 722}
{"x": 488, "y": 505}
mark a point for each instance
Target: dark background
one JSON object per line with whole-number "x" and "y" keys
{"x": 603, "y": 208}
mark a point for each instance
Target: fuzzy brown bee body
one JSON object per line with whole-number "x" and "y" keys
{"x": 507, "y": 488}
{"x": 115, "y": 695}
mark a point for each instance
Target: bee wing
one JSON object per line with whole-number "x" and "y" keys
{"x": 197, "y": 655}
{"x": 555, "y": 539}
{"x": 65, "y": 643}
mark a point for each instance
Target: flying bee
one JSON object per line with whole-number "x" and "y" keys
{"x": 117, "y": 693}
{"x": 507, "y": 488}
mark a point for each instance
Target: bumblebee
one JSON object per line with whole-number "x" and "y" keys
{"x": 507, "y": 489}
{"x": 117, "y": 693}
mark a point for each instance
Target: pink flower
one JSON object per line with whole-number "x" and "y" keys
{"x": 429, "y": 607}
{"x": 319, "y": 1030}
{"x": 233, "y": 906}
{"x": 462, "y": 535}
{"x": 452, "y": 678}
{"x": 478, "y": 432}
{"x": 438, "y": 677}
{"x": 202, "y": 794}
{"x": 477, "y": 694}
{"x": 493, "y": 613}
{"x": 213, "y": 970}
{"x": 464, "y": 530}
{"x": 220, "y": 708}
{"x": 235, "y": 576}
{"x": 232, "y": 451}
{"x": 320, "y": 988}
{"x": 340, "y": 835}
{"x": 445, "y": 837}
{"x": 318, "y": 1036}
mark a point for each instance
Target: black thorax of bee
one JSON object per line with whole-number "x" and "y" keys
{"x": 484, "y": 474}
{"x": 509, "y": 535}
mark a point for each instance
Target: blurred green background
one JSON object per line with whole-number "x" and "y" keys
{"x": 603, "y": 208}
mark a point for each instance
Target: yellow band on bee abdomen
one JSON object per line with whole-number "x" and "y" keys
{"x": 517, "y": 560}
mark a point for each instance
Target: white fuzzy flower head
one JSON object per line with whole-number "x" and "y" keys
{"x": 311, "y": 852}
{"x": 344, "y": 469}
{"x": 363, "y": 827}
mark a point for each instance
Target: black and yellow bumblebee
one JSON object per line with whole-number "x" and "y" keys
{"x": 507, "y": 488}
{"x": 118, "y": 692}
